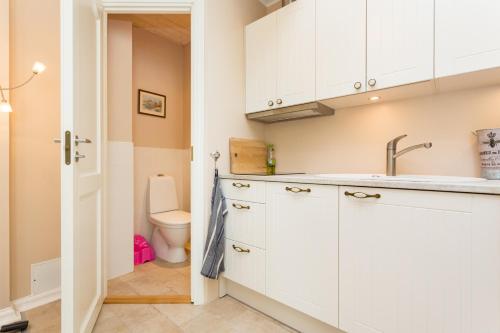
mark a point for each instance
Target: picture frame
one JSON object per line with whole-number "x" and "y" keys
{"x": 151, "y": 104}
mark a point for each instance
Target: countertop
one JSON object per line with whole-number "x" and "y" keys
{"x": 481, "y": 187}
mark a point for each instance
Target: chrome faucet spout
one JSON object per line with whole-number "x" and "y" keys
{"x": 426, "y": 145}
{"x": 392, "y": 153}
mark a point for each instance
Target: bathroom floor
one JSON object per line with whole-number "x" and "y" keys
{"x": 223, "y": 315}
{"x": 154, "y": 278}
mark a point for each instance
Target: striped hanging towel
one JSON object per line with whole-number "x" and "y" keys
{"x": 213, "y": 259}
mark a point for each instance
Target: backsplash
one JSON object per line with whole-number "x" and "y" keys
{"x": 354, "y": 139}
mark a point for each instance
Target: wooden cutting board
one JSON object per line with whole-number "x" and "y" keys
{"x": 248, "y": 157}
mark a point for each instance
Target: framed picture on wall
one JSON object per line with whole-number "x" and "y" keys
{"x": 151, "y": 103}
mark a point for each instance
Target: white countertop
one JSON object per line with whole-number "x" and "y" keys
{"x": 483, "y": 187}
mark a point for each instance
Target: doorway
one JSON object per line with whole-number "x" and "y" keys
{"x": 148, "y": 158}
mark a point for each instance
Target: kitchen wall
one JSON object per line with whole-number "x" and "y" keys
{"x": 34, "y": 158}
{"x": 4, "y": 161}
{"x": 225, "y": 86}
{"x": 161, "y": 145}
{"x": 354, "y": 139}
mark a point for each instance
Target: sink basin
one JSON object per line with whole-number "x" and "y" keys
{"x": 402, "y": 178}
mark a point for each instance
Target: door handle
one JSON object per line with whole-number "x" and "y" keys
{"x": 297, "y": 189}
{"x": 78, "y": 140}
{"x": 240, "y": 206}
{"x": 240, "y": 185}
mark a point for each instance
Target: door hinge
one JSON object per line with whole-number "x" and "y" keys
{"x": 192, "y": 153}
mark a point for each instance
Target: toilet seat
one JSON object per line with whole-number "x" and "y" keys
{"x": 172, "y": 219}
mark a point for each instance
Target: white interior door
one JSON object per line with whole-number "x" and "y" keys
{"x": 83, "y": 285}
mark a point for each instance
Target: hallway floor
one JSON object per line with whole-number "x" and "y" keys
{"x": 154, "y": 278}
{"x": 225, "y": 315}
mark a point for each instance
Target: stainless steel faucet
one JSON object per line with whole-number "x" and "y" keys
{"x": 392, "y": 155}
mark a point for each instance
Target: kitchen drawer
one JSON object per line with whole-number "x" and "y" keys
{"x": 246, "y": 223}
{"x": 245, "y": 190}
{"x": 246, "y": 268}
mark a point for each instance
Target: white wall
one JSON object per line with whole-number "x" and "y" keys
{"x": 152, "y": 161}
{"x": 225, "y": 87}
{"x": 4, "y": 160}
{"x": 354, "y": 140}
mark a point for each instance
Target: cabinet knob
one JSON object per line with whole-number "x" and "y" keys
{"x": 270, "y": 103}
{"x": 372, "y": 82}
{"x": 357, "y": 85}
{"x": 279, "y": 101}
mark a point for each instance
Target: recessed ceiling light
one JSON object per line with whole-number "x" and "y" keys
{"x": 374, "y": 98}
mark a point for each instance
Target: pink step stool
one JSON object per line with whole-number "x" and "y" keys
{"x": 143, "y": 251}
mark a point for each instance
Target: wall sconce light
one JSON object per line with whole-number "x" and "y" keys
{"x": 5, "y": 106}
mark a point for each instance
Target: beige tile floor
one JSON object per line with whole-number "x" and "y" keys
{"x": 153, "y": 278}
{"x": 225, "y": 315}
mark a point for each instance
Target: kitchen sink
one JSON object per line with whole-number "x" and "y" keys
{"x": 401, "y": 178}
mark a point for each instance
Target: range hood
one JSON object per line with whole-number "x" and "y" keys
{"x": 308, "y": 110}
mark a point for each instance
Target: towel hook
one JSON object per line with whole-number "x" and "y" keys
{"x": 215, "y": 156}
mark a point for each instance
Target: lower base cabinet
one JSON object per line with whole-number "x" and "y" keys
{"x": 302, "y": 248}
{"x": 419, "y": 262}
{"x": 371, "y": 260}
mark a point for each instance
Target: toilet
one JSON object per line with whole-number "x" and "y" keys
{"x": 172, "y": 227}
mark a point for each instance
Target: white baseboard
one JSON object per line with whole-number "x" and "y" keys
{"x": 34, "y": 301}
{"x": 9, "y": 315}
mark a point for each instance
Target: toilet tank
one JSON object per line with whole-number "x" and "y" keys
{"x": 162, "y": 195}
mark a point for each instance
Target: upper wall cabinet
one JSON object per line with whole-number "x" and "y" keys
{"x": 280, "y": 58}
{"x": 340, "y": 48}
{"x": 365, "y": 45}
{"x": 400, "y": 42}
{"x": 467, "y": 36}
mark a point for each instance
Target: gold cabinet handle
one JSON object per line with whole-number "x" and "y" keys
{"x": 297, "y": 189}
{"x": 361, "y": 195}
{"x": 240, "y": 185}
{"x": 240, "y": 206}
{"x": 240, "y": 250}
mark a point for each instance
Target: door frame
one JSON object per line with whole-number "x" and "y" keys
{"x": 197, "y": 10}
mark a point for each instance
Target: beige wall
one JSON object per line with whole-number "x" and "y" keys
{"x": 158, "y": 66}
{"x": 273, "y": 7}
{"x": 34, "y": 164}
{"x": 354, "y": 140}
{"x": 4, "y": 160}
{"x": 225, "y": 86}
{"x": 119, "y": 81}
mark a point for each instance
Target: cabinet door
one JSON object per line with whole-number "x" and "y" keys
{"x": 302, "y": 248}
{"x": 261, "y": 64}
{"x": 340, "y": 48}
{"x": 467, "y": 36}
{"x": 400, "y": 42}
{"x": 409, "y": 262}
{"x": 296, "y": 49}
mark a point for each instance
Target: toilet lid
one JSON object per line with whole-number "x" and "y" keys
{"x": 173, "y": 218}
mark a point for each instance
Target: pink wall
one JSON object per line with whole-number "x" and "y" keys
{"x": 158, "y": 66}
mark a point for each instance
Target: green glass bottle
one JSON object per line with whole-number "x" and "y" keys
{"x": 271, "y": 161}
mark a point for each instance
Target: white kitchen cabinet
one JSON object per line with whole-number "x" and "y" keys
{"x": 467, "y": 36}
{"x": 246, "y": 223}
{"x": 245, "y": 265}
{"x": 296, "y": 50}
{"x": 302, "y": 248}
{"x": 340, "y": 48}
{"x": 280, "y": 58}
{"x": 261, "y": 61}
{"x": 417, "y": 261}
{"x": 400, "y": 42}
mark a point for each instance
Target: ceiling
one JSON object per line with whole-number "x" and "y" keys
{"x": 173, "y": 27}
